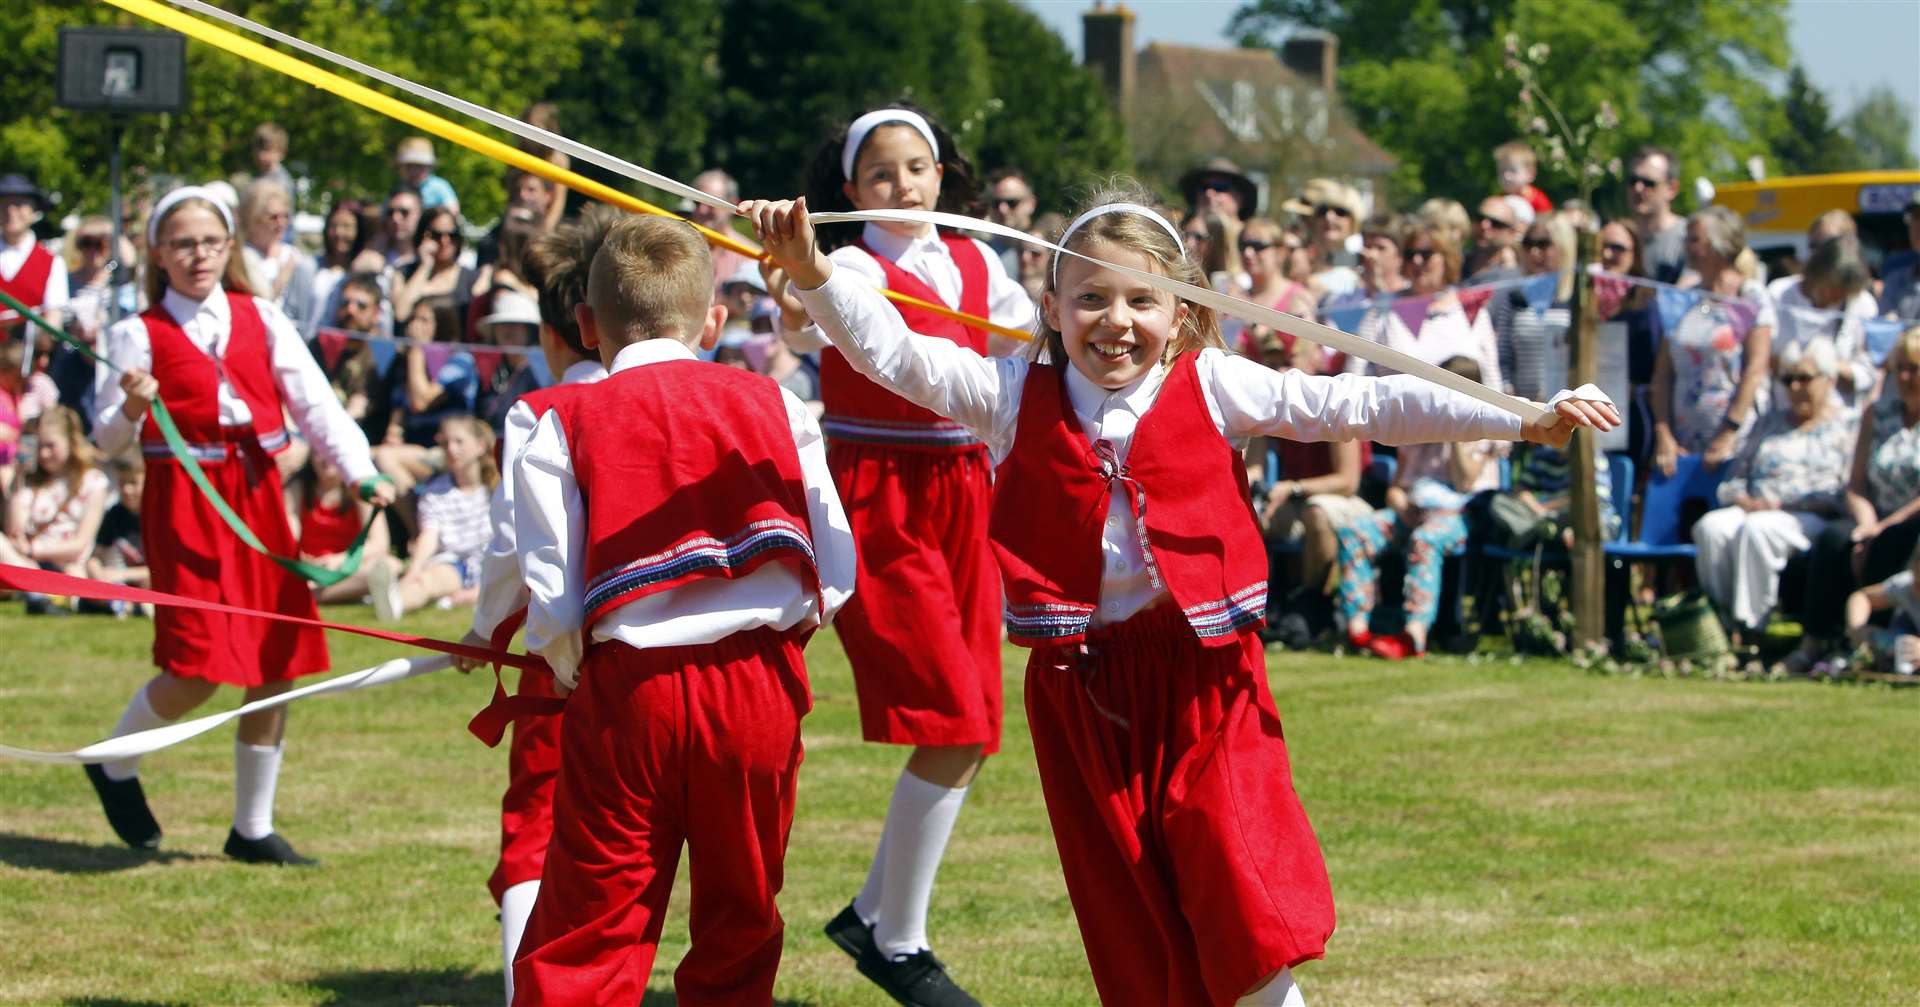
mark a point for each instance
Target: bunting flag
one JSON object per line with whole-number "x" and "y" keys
{"x": 1412, "y": 311}
{"x": 1882, "y": 334}
{"x": 437, "y": 355}
{"x": 1608, "y": 291}
{"x": 332, "y": 343}
{"x": 1539, "y": 290}
{"x": 1673, "y": 304}
{"x": 1475, "y": 298}
{"x": 1347, "y": 317}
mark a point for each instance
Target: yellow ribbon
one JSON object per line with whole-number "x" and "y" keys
{"x": 453, "y": 132}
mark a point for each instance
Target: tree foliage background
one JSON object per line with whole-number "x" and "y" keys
{"x": 751, "y": 85}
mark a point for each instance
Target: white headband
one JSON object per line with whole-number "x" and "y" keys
{"x": 1106, "y": 208}
{"x": 857, "y": 133}
{"x": 185, "y": 192}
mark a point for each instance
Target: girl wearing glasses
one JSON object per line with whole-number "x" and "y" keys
{"x": 230, "y": 366}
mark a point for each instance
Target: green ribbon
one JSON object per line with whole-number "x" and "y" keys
{"x": 163, "y": 421}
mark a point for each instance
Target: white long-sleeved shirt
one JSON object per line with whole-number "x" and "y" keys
{"x": 208, "y": 324}
{"x": 14, "y": 256}
{"x": 926, "y": 257}
{"x": 503, "y": 590}
{"x": 549, "y": 521}
{"x": 1243, "y": 398}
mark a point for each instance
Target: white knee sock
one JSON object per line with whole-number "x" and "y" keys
{"x": 516, "y": 904}
{"x": 1281, "y": 992}
{"x": 256, "y": 770}
{"x": 138, "y": 717}
{"x": 867, "y": 904}
{"x": 919, "y": 820}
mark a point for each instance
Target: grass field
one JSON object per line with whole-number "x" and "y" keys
{"x": 1497, "y": 834}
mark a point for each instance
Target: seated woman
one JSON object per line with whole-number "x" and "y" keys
{"x": 444, "y": 559}
{"x": 1304, "y": 492}
{"x": 54, "y": 515}
{"x": 1882, "y": 522}
{"x": 1430, "y": 489}
{"x": 326, "y": 515}
{"x": 439, "y": 381}
{"x": 1780, "y": 491}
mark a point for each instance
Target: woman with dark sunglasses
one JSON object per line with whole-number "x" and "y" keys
{"x": 437, "y": 271}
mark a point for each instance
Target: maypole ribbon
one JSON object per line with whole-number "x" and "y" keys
{"x": 183, "y": 454}
{"x": 22, "y": 578}
{"x": 485, "y": 145}
{"x": 1326, "y": 335}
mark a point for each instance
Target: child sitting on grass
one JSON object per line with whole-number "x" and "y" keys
{"x": 444, "y": 559}
{"x": 1899, "y": 641}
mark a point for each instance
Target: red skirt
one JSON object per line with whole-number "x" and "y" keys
{"x": 1191, "y": 866}
{"x": 526, "y": 811}
{"x": 191, "y": 552}
{"x": 922, "y": 630}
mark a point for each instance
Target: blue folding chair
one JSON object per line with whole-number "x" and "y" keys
{"x": 1661, "y": 538}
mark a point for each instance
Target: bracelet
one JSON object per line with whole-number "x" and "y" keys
{"x": 1730, "y": 424}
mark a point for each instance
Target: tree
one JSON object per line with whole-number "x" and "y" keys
{"x": 1881, "y": 128}
{"x": 1421, "y": 76}
{"x": 1048, "y": 115}
{"x": 1809, "y": 142}
{"x": 522, "y": 49}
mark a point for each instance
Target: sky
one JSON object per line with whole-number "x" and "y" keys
{"x": 1847, "y": 46}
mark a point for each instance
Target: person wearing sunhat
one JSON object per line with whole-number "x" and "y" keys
{"x": 29, "y": 272}
{"x": 414, "y": 161}
{"x": 1220, "y": 185}
{"x": 1332, "y": 211}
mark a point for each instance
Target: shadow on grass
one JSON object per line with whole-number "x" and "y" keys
{"x": 63, "y": 857}
{"x": 398, "y": 987}
{"x": 658, "y": 997}
{"x": 117, "y": 1002}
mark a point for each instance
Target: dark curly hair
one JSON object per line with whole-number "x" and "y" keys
{"x": 959, "y": 192}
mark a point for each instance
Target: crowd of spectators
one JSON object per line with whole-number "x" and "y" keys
{"x": 427, "y": 329}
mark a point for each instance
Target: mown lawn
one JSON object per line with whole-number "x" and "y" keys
{"x": 1497, "y": 833}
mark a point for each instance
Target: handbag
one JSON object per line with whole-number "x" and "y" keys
{"x": 1689, "y": 627}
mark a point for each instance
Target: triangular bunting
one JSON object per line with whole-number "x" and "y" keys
{"x": 1473, "y": 299}
{"x": 1539, "y": 290}
{"x": 1347, "y": 317}
{"x": 436, "y": 355}
{"x": 1608, "y": 291}
{"x": 1413, "y": 311}
{"x": 383, "y": 351}
{"x": 487, "y": 362}
{"x": 1881, "y": 335}
{"x": 332, "y": 342}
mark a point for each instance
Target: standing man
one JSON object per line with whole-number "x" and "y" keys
{"x": 726, "y": 261}
{"x": 1495, "y": 231}
{"x": 1010, "y": 203}
{"x": 1653, "y": 180}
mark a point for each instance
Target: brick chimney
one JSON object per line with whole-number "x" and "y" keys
{"x": 1312, "y": 55}
{"x": 1107, "y": 37}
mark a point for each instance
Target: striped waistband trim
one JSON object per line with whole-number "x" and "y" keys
{"x": 863, "y": 430}
{"x": 272, "y": 443}
{"x": 698, "y": 555}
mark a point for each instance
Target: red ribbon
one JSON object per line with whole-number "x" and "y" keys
{"x": 490, "y": 724}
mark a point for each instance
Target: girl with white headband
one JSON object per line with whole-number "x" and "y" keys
{"x": 1133, "y": 569}
{"x": 229, "y": 366}
{"x": 923, "y": 631}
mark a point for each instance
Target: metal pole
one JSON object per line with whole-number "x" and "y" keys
{"x": 114, "y": 265}
{"x": 1588, "y": 573}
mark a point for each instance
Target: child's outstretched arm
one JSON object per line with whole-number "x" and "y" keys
{"x": 980, "y": 394}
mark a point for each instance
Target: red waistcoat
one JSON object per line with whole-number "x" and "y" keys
{"x": 687, "y": 470}
{"x": 1188, "y": 488}
{"x": 190, "y": 380}
{"x": 860, "y": 411}
{"x": 28, "y": 286}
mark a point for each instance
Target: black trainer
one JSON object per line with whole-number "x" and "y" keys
{"x": 917, "y": 980}
{"x": 851, "y": 933}
{"x": 126, "y": 807}
{"x": 268, "y": 849}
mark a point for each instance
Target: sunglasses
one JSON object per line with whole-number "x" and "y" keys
{"x": 1339, "y": 211}
{"x": 1906, "y": 370}
{"x": 1010, "y": 200}
{"x": 356, "y": 304}
{"x": 1496, "y": 223}
{"x": 436, "y": 232}
{"x": 1216, "y": 186}
{"x": 1796, "y": 380}
{"x": 1196, "y": 235}
{"x": 1643, "y": 182}
{"x": 91, "y": 242}
{"x": 1539, "y": 244}
{"x": 1616, "y": 248}
{"x": 1254, "y": 247}
{"x": 1421, "y": 254}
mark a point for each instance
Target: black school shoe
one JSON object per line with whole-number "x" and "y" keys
{"x": 917, "y": 980}
{"x": 126, "y": 807}
{"x": 850, "y": 933}
{"x": 268, "y": 849}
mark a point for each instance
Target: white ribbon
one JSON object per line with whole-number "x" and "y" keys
{"x": 1326, "y": 335}
{"x": 128, "y": 746}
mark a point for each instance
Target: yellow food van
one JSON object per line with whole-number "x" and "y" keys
{"x": 1777, "y": 211}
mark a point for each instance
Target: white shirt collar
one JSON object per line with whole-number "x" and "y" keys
{"x": 1091, "y": 400}
{"x": 26, "y": 243}
{"x": 583, "y": 371}
{"x": 894, "y": 247}
{"x": 650, "y": 351}
{"x": 184, "y": 309}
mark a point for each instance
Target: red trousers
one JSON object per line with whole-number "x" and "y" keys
{"x": 697, "y": 745}
{"x": 1192, "y": 869}
{"x": 923, "y": 631}
{"x": 526, "y": 810}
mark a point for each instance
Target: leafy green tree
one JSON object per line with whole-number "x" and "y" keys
{"x": 1881, "y": 127}
{"x": 517, "y": 51}
{"x": 1808, "y": 141}
{"x": 1049, "y": 116}
{"x": 1422, "y": 77}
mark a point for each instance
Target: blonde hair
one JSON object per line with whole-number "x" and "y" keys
{"x": 652, "y": 277}
{"x": 1135, "y": 233}
{"x": 1560, "y": 231}
{"x": 482, "y": 432}
{"x": 235, "y": 277}
{"x": 254, "y": 201}
{"x": 79, "y": 451}
{"x": 1517, "y": 150}
{"x": 1908, "y": 345}
{"x": 1447, "y": 215}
